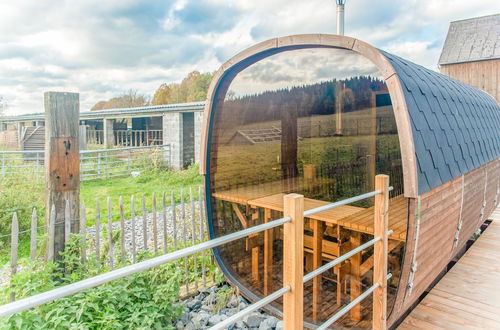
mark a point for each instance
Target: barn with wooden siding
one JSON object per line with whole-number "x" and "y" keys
{"x": 359, "y": 111}
{"x": 471, "y": 53}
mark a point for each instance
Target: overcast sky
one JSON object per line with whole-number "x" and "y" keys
{"x": 103, "y": 48}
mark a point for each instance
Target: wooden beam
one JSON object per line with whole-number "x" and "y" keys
{"x": 239, "y": 214}
{"x": 293, "y": 262}
{"x": 380, "y": 253}
{"x": 368, "y": 264}
{"x": 355, "y": 241}
{"x": 268, "y": 254}
{"x": 255, "y": 251}
{"x": 318, "y": 228}
{"x": 62, "y": 159}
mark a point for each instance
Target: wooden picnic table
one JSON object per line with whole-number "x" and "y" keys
{"x": 356, "y": 219}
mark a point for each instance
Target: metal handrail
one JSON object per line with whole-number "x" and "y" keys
{"x": 259, "y": 304}
{"x": 343, "y": 202}
{"x": 13, "y": 152}
{"x": 42, "y": 298}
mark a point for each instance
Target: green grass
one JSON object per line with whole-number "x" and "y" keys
{"x": 20, "y": 193}
{"x": 147, "y": 184}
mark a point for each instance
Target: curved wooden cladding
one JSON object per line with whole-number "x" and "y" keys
{"x": 223, "y": 77}
{"x": 440, "y": 213}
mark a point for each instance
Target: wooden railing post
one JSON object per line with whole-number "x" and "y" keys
{"x": 293, "y": 262}
{"x": 381, "y": 222}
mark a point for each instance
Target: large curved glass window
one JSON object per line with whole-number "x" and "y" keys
{"x": 317, "y": 122}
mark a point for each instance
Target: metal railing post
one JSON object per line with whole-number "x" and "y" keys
{"x": 381, "y": 221}
{"x": 293, "y": 267}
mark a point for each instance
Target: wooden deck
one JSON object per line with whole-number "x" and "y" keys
{"x": 468, "y": 296}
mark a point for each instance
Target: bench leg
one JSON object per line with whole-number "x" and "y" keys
{"x": 255, "y": 250}
{"x": 355, "y": 276}
{"x": 255, "y": 263}
{"x": 317, "y": 227}
{"x": 268, "y": 254}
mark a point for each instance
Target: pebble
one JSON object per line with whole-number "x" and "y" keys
{"x": 200, "y": 312}
{"x": 139, "y": 238}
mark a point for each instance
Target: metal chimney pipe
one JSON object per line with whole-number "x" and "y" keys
{"x": 340, "y": 17}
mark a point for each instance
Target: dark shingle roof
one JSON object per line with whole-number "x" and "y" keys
{"x": 456, "y": 127}
{"x": 473, "y": 39}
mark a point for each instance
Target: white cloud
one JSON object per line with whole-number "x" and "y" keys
{"x": 102, "y": 48}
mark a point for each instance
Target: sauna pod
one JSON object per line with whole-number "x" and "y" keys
{"x": 321, "y": 115}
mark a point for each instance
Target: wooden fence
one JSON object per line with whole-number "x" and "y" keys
{"x": 171, "y": 223}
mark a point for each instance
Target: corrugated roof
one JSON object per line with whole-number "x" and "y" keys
{"x": 456, "y": 127}
{"x": 473, "y": 39}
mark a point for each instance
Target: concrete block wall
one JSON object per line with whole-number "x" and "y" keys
{"x": 198, "y": 122}
{"x": 183, "y": 132}
{"x": 172, "y": 134}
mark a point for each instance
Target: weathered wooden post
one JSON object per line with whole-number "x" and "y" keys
{"x": 293, "y": 262}
{"x": 62, "y": 162}
{"x": 381, "y": 224}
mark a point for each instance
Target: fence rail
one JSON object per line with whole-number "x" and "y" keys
{"x": 94, "y": 164}
{"x": 293, "y": 270}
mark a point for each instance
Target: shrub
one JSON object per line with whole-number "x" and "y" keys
{"x": 140, "y": 301}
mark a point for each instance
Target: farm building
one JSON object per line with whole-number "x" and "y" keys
{"x": 471, "y": 53}
{"x": 342, "y": 111}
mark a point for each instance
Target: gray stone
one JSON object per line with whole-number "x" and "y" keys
{"x": 216, "y": 319}
{"x": 179, "y": 325}
{"x": 207, "y": 308}
{"x": 253, "y": 320}
{"x": 185, "y": 317}
{"x": 190, "y": 326}
{"x": 269, "y": 323}
{"x": 279, "y": 325}
{"x": 240, "y": 325}
{"x": 193, "y": 304}
{"x": 233, "y": 301}
{"x": 201, "y": 318}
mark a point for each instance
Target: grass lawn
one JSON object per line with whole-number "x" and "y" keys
{"x": 21, "y": 193}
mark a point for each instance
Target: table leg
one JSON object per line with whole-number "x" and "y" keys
{"x": 268, "y": 254}
{"x": 355, "y": 275}
{"x": 317, "y": 228}
{"x": 255, "y": 250}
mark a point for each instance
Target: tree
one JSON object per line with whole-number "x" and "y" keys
{"x": 129, "y": 99}
{"x": 193, "y": 87}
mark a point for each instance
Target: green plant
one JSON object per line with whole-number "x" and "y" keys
{"x": 140, "y": 301}
{"x": 222, "y": 298}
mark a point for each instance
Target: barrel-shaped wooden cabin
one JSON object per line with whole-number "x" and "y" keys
{"x": 321, "y": 115}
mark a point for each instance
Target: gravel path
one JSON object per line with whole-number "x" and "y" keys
{"x": 200, "y": 312}
{"x": 182, "y": 227}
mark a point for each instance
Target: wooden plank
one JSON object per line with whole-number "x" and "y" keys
{"x": 132, "y": 223}
{"x": 122, "y": 230}
{"x": 467, "y": 297}
{"x": 155, "y": 226}
{"x": 98, "y": 231}
{"x": 34, "y": 231}
{"x": 268, "y": 254}
{"x": 14, "y": 245}
{"x": 380, "y": 253}
{"x": 293, "y": 256}
{"x": 110, "y": 235}
{"x": 317, "y": 246}
{"x": 355, "y": 240}
{"x": 83, "y": 231}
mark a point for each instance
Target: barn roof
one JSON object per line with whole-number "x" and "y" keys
{"x": 455, "y": 126}
{"x": 473, "y": 39}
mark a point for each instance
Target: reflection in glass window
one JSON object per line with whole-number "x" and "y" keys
{"x": 317, "y": 122}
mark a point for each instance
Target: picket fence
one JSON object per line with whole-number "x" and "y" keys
{"x": 165, "y": 228}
